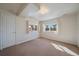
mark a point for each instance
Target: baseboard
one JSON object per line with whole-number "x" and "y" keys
{"x": 59, "y": 41}
{"x": 20, "y": 43}
{"x": 24, "y": 41}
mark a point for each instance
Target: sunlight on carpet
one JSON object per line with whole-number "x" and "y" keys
{"x": 63, "y": 49}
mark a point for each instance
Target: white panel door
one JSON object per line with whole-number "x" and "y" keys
{"x": 7, "y": 25}
{"x": 0, "y": 32}
{"x": 10, "y": 23}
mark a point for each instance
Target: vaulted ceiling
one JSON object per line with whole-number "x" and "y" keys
{"x": 32, "y": 10}
{"x": 15, "y": 8}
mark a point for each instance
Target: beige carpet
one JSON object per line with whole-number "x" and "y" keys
{"x": 41, "y": 47}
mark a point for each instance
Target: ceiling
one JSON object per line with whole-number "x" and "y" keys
{"x": 31, "y": 9}
{"x": 15, "y": 8}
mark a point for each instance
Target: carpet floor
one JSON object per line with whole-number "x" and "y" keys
{"x": 41, "y": 47}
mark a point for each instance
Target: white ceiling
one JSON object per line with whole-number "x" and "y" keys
{"x": 12, "y": 7}
{"x": 55, "y": 10}
{"x": 31, "y": 10}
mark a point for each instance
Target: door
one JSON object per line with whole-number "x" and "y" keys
{"x": 0, "y": 32}
{"x": 7, "y": 25}
{"x": 10, "y": 30}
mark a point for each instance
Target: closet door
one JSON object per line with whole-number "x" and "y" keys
{"x": 0, "y": 32}
{"x": 10, "y": 27}
{"x": 7, "y": 25}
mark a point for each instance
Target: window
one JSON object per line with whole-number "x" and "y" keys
{"x": 32, "y": 27}
{"x": 50, "y": 27}
{"x": 35, "y": 28}
{"x": 47, "y": 28}
{"x": 53, "y": 27}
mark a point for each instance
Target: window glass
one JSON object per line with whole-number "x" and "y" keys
{"x": 32, "y": 27}
{"x": 50, "y": 27}
{"x": 47, "y": 28}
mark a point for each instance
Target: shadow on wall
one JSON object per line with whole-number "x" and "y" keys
{"x": 64, "y": 49}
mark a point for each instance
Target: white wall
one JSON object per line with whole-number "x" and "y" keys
{"x": 20, "y": 30}
{"x": 66, "y": 29}
{"x": 13, "y": 30}
{"x": 21, "y": 34}
{"x": 33, "y": 34}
